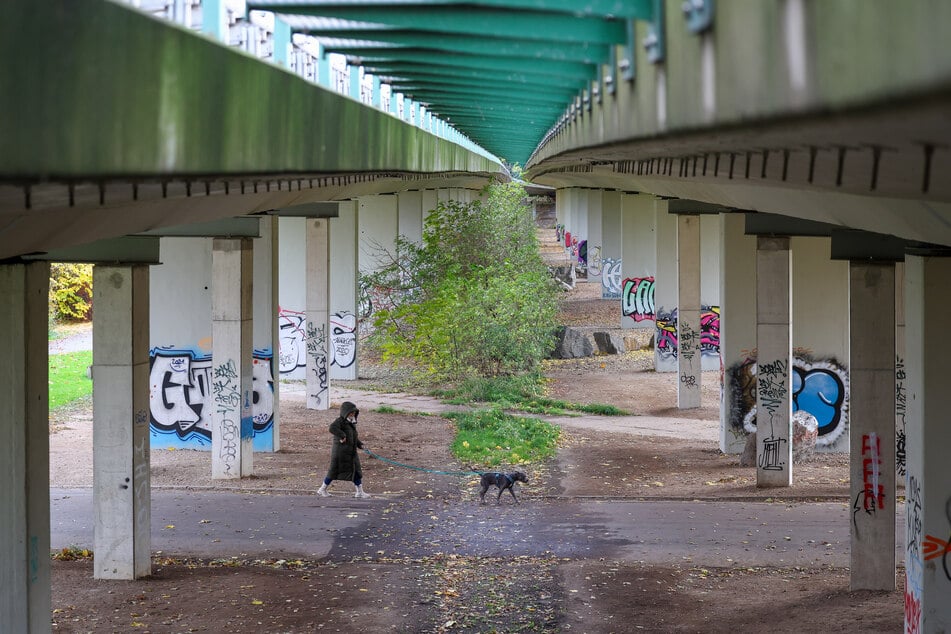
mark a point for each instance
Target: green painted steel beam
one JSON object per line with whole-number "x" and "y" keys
{"x": 467, "y": 19}
{"x": 477, "y": 109}
{"x": 634, "y": 9}
{"x": 475, "y": 85}
{"x": 412, "y": 70}
{"x": 467, "y": 94}
{"x": 476, "y": 62}
{"x": 176, "y": 104}
{"x": 371, "y": 39}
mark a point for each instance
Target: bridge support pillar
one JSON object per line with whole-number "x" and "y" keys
{"x": 316, "y": 304}
{"x": 594, "y": 235}
{"x": 872, "y": 451}
{"x": 25, "y": 601}
{"x": 612, "y": 239}
{"x": 665, "y": 293}
{"x": 928, "y": 436}
{"x": 344, "y": 292}
{"x": 231, "y": 331}
{"x": 774, "y": 362}
{"x": 737, "y": 330}
{"x": 688, "y": 311}
{"x": 121, "y": 477}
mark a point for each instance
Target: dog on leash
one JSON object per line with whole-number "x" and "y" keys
{"x": 504, "y": 481}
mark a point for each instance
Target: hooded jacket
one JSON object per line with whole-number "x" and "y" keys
{"x": 344, "y": 461}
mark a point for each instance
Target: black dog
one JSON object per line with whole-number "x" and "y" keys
{"x": 503, "y": 481}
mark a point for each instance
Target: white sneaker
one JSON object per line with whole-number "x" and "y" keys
{"x": 361, "y": 493}
{"x": 322, "y": 492}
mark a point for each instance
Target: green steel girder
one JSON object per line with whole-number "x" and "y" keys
{"x": 634, "y": 9}
{"x": 372, "y": 39}
{"x": 412, "y": 70}
{"x": 476, "y": 62}
{"x": 465, "y": 94}
{"x": 466, "y": 19}
{"x": 450, "y": 108}
{"x": 475, "y": 85}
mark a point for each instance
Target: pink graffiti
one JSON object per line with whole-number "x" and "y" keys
{"x": 912, "y": 611}
{"x": 874, "y": 493}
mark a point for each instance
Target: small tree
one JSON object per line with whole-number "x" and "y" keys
{"x": 474, "y": 298}
{"x": 70, "y": 292}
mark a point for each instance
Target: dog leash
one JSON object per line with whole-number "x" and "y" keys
{"x": 414, "y": 468}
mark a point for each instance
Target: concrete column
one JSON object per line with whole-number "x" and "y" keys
{"x": 316, "y": 311}
{"x": 292, "y": 358}
{"x": 429, "y": 202}
{"x": 665, "y": 293}
{"x": 636, "y": 286}
{"x": 872, "y": 456}
{"x": 928, "y": 436}
{"x": 266, "y": 338}
{"x": 901, "y": 379}
{"x": 344, "y": 293}
{"x": 774, "y": 362}
{"x": 737, "y": 330}
{"x": 25, "y": 597}
{"x": 688, "y": 311}
{"x": 231, "y": 332}
{"x": 410, "y": 216}
{"x": 121, "y": 484}
{"x": 594, "y": 234}
{"x": 611, "y": 240}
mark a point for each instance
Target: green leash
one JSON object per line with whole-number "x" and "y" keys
{"x": 409, "y": 466}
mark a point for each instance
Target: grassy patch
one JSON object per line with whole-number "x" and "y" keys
{"x": 68, "y": 380}
{"x": 387, "y": 409}
{"x": 523, "y": 393}
{"x": 490, "y": 437}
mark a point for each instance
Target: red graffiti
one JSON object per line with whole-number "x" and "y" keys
{"x": 912, "y": 611}
{"x": 932, "y": 547}
{"x": 874, "y": 493}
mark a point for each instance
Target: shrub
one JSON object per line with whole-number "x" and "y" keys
{"x": 474, "y": 299}
{"x": 70, "y": 292}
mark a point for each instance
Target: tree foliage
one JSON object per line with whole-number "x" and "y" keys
{"x": 70, "y": 292}
{"x": 474, "y": 299}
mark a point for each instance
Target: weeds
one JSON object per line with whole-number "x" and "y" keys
{"x": 523, "y": 392}
{"x": 491, "y": 437}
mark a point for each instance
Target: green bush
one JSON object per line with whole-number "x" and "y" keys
{"x": 474, "y": 299}
{"x": 70, "y": 292}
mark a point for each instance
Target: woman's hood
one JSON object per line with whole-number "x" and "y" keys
{"x": 348, "y": 407}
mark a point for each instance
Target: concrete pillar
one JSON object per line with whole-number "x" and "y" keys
{"x": 429, "y": 202}
{"x": 737, "y": 330}
{"x": 872, "y": 456}
{"x": 292, "y": 359}
{"x": 344, "y": 294}
{"x": 594, "y": 235}
{"x": 231, "y": 332}
{"x": 928, "y": 436}
{"x": 901, "y": 379}
{"x": 611, "y": 240}
{"x": 316, "y": 310}
{"x": 636, "y": 286}
{"x": 688, "y": 311}
{"x": 410, "y": 216}
{"x": 774, "y": 362}
{"x": 665, "y": 293}
{"x": 121, "y": 483}
{"x": 266, "y": 396}
{"x": 25, "y": 597}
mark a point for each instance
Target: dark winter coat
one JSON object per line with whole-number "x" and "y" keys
{"x": 344, "y": 460}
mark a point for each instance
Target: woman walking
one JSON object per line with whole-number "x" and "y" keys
{"x": 344, "y": 461}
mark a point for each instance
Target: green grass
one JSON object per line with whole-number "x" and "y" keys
{"x": 68, "y": 380}
{"x": 519, "y": 392}
{"x": 490, "y": 437}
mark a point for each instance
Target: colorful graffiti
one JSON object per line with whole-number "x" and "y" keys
{"x": 292, "y": 350}
{"x": 559, "y": 232}
{"x": 583, "y": 255}
{"x": 611, "y": 278}
{"x": 637, "y": 298}
{"x": 343, "y": 339}
{"x": 914, "y": 564}
{"x": 667, "y": 345}
{"x": 181, "y": 396}
{"x": 818, "y": 387}
{"x": 872, "y": 496}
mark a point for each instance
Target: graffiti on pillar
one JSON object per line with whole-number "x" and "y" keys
{"x": 872, "y": 496}
{"x": 771, "y": 392}
{"x": 901, "y": 397}
{"x": 292, "y": 352}
{"x": 914, "y": 564}
{"x": 666, "y": 340}
{"x": 343, "y": 338}
{"x": 317, "y": 351}
{"x": 935, "y": 547}
{"x": 820, "y": 387}
{"x": 594, "y": 261}
{"x": 567, "y": 235}
{"x": 688, "y": 337}
{"x": 637, "y": 298}
{"x": 181, "y": 396}
{"x": 583, "y": 255}
{"x": 559, "y": 232}
{"x": 227, "y": 404}
{"x": 611, "y": 278}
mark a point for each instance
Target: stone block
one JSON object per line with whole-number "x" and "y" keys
{"x": 572, "y": 344}
{"x": 609, "y": 343}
